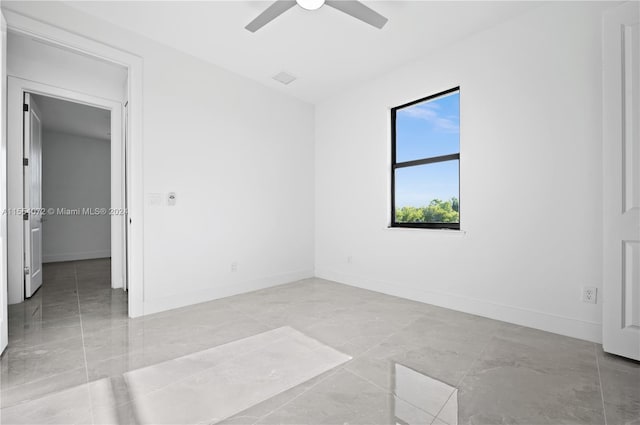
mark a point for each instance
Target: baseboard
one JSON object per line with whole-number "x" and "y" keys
{"x": 73, "y": 256}
{"x": 567, "y": 326}
{"x": 157, "y": 305}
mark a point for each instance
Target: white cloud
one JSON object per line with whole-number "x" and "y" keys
{"x": 429, "y": 113}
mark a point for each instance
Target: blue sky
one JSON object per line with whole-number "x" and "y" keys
{"x": 425, "y": 130}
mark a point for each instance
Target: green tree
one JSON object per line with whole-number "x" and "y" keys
{"x": 409, "y": 215}
{"x": 437, "y": 211}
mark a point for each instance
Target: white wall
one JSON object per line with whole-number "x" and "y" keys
{"x": 75, "y": 175}
{"x": 241, "y": 160}
{"x": 238, "y": 155}
{"x": 530, "y": 177}
{"x": 49, "y": 64}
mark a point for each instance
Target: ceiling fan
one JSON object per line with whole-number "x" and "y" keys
{"x": 351, "y": 7}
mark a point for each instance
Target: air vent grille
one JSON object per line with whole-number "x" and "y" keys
{"x": 284, "y": 78}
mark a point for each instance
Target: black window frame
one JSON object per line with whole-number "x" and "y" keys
{"x": 422, "y": 161}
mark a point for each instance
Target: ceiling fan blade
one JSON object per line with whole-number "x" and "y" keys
{"x": 271, "y": 13}
{"x": 359, "y": 11}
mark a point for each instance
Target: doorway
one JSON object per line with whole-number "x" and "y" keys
{"x": 85, "y": 218}
{"x": 65, "y": 72}
{"x": 68, "y": 186}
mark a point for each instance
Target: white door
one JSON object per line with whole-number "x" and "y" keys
{"x": 621, "y": 186}
{"x": 32, "y": 196}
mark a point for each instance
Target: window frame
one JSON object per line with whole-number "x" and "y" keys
{"x": 417, "y": 162}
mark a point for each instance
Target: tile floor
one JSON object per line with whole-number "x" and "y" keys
{"x": 75, "y": 357}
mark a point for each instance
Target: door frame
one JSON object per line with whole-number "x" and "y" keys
{"x": 16, "y": 188}
{"x": 134, "y": 151}
{"x": 4, "y": 328}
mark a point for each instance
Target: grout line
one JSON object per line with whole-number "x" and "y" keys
{"x": 269, "y": 323}
{"x": 473, "y": 363}
{"x": 330, "y": 373}
{"x": 604, "y": 410}
{"x": 386, "y": 338}
{"x": 205, "y": 369}
{"x": 32, "y": 346}
{"x": 249, "y": 316}
{"x": 348, "y": 370}
{"x": 444, "y": 404}
{"x": 84, "y": 348}
{"x": 371, "y": 382}
{"x": 175, "y": 314}
{"x": 480, "y": 353}
{"x": 400, "y": 398}
{"x": 342, "y": 367}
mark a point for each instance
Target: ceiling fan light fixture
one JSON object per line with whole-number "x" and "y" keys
{"x": 354, "y": 8}
{"x": 310, "y": 4}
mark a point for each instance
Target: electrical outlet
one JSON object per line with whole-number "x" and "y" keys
{"x": 590, "y": 294}
{"x": 234, "y": 266}
{"x": 349, "y": 259}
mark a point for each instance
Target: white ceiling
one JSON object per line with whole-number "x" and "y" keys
{"x": 74, "y": 118}
{"x": 326, "y": 49}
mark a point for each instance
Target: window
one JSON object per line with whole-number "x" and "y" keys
{"x": 425, "y": 167}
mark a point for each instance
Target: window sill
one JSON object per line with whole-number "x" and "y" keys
{"x": 446, "y": 232}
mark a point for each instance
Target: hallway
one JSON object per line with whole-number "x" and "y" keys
{"x": 46, "y": 332}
